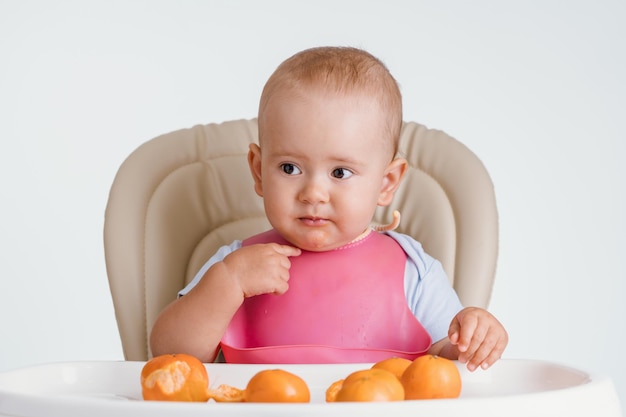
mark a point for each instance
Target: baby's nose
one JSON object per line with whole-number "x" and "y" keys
{"x": 314, "y": 191}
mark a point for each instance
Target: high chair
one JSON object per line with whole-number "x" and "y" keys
{"x": 180, "y": 196}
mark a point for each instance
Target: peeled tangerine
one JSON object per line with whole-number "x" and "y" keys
{"x": 174, "y": 377}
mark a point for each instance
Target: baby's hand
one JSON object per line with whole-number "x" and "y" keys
{"x": 261, "y": 269}
{"x": 478, "y": 336}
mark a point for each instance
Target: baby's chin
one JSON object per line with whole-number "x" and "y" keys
{"x": 317, "y": 245}
{"x": 314, "y": 239}
{"x": 321, "y": 248}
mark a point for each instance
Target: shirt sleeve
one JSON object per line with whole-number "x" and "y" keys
{"x": 217, "y": 257}
{"x": 429, "y": 294}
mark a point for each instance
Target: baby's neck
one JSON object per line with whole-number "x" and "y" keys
{"x": 362, "y": 235}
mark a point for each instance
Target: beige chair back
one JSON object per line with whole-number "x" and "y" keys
{"x": 179, "y": 197}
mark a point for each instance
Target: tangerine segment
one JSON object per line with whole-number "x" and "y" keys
{"x": 431, "y": 376}
{"x": 227, "y": 394}
{"x": 276, "y": 385}
{"x": 373, "y": 384}
{"x": 174, "y": 377}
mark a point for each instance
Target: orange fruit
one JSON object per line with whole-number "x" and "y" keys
{"x": 394, "y": 365}
{"x": 431, "y": 376}
{"x": 276, "y": 386}
{"x": 332, "y": 390}
{"x": 174, "y": 377}
{"x": 227, "y": 394}
{"x": 266, "y": 386}
{"x": 367, "y": 385}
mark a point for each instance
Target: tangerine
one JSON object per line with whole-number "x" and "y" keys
{"x": 394, "y": 365}
{"x": 276, "y": 386}
{"x": 333, "y": 389}
{"x": 431, "y": 376}
{"x": 266, "y": 386}
{"x": 174, "y": 377}
{"x": 372, "y": 384}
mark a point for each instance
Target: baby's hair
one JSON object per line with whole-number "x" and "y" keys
{"x": 339, "y": 70}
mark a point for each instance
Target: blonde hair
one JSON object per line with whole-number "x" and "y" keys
{"x": 339, "y": 70}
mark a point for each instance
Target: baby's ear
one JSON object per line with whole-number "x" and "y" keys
{"x": 391, "y": 180}
{"x": 254, "y": 161}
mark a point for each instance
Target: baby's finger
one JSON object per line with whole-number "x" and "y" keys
{"x": 281, "y": 287}
{"x": 483, "y": 355}
{"x": 468, "y": 326}
{"x": 496, "y": 352}
{"x": 492, "y": 358}
{"x": 287, "y": 250}
{"x": 476, "y": 341}
{"x": 453, "y": 331}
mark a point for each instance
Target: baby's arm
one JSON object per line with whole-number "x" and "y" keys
{"x": 475, "y": 337}
{"x": 194, "y": 324}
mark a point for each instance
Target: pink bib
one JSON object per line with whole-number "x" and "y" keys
{"x": 344, "y": 305}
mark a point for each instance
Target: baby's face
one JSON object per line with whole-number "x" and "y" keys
{"x": 323, "y": 160}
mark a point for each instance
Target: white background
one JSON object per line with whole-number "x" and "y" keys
{"x": 536, "y": 88}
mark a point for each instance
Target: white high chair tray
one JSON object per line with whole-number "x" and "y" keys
{"x": 511, "y": 388}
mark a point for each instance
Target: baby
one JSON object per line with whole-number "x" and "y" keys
{"x": 322, "y": 286}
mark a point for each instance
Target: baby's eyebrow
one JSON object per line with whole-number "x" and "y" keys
{"x": 348, "y": 160}
{"x": 340, "y": 160}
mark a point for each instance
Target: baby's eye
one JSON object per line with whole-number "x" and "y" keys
{"x": 290, "y": 169}
{"x": 341, "y": 173}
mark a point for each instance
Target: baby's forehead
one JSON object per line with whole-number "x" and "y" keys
{"x": 321, "y": 96}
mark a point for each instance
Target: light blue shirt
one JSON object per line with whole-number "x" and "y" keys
{"x": 428, "y": 292}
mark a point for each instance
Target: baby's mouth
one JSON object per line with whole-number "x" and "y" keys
{"x": 313, "y": 221}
